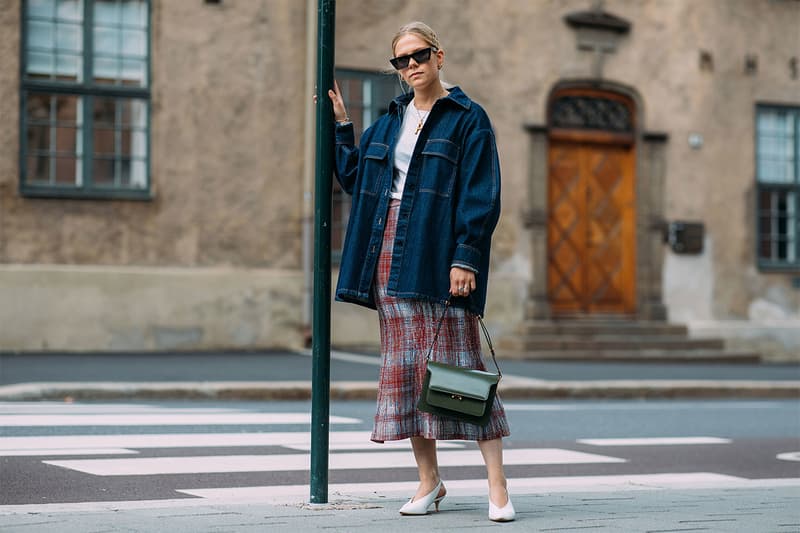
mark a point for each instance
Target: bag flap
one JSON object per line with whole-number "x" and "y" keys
{"x": 464, "y": 382}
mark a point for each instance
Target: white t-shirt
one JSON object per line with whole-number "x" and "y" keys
{"x": 405, "y": 148}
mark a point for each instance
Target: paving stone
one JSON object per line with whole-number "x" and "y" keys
{"x": 654, "y": 511}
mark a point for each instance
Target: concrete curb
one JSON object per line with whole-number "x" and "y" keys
{"x": 517, "y": 389}
{"x": 633, "y": 356}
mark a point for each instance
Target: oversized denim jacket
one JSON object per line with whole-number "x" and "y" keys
{"x": 449, "y": 209}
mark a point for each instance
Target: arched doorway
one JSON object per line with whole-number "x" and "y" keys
{"x": 591, "y": 203}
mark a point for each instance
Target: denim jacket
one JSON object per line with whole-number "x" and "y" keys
{"x": 449, "y": 209}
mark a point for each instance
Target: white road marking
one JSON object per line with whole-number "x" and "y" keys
{"x": 374, "y": 446}
{"x": 123, "y": 414}
{"x": 182, "y": 419}
{"x": 99, "y": 408}
{"x": 788, "y": 456}
{"x": 178, "y": 440}
{"x": 337, "y": 461}
{"x": 654, "y": 441}
{"x": 61, "y": 451}
{"x": 77, "y": 444}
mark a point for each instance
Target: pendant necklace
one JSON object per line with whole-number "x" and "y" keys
{"x": 421, "y": 119}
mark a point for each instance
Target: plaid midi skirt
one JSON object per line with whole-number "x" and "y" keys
{"x": 407, "y": 330}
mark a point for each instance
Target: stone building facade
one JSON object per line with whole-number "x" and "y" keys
{"x": 615, "y": 120}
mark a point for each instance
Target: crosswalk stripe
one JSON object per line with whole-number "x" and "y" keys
{"x": 178, "y": 440}
{"x": 72, "y": 451}
{"x": 337, "y": 461}
{"x": 788, "y": 456}
{"x": 372, "y": 446}
{"x": 62, "y": 407}
{"x": 353, "y": 451}
{"x": 100, "y": 408}
{"x": 183, "y": 419}
{"x": 83, "y": 444}
{"x": 654, "y": 441}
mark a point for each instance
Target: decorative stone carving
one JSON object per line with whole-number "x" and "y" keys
{"x": 597, "y": 31}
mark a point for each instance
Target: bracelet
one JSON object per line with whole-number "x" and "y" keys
{"x": 345, "y": 120}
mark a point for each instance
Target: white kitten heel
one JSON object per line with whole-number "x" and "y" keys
{"x": 502, "y": 514}
{"x": 420, "y": 507}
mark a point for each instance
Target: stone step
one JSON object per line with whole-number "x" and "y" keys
{"x": 632, "y": 355}
{"x": 609, "y": 342}
{"x": 591, "y": 328}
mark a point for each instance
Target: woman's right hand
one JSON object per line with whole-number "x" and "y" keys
{"x": 339, "y": 111}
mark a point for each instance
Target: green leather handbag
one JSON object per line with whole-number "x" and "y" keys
{"x": 458, "y": 392}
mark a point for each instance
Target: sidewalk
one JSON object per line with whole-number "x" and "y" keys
{"x": 286, "y": 376}
{"x": 639, "y": 509}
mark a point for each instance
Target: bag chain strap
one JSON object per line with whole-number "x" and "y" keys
{"x": 485, "y": 333}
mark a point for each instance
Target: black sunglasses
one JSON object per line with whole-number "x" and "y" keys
{"x": 420, "y": 56}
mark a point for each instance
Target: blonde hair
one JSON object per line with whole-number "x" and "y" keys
{"x": 421, "y": 30}
{"x": 424, "y": 32}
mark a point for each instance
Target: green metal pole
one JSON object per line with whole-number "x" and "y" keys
{"x": 321, "y": 316}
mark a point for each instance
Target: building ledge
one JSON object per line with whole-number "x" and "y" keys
{"x": 598, "y": 20}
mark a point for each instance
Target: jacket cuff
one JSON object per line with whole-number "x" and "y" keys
{"x": 466, "y": 257}
{"x": 465, "y": 267}
{"x": 345, "y": 133}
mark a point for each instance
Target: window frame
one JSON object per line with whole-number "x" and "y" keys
{"x": 377, "y": 107}
{"x": 87, "y": 90}
{"x": 764, "y": 264}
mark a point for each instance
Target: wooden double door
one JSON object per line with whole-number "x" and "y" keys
{"x": 591, "y": 225}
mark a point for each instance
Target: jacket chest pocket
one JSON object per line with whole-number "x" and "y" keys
{"x": 439, "y": 166}
{"x": 375, "y": 165}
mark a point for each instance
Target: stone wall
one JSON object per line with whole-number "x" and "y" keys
{"x": 9, "y": 116}
{"x": 74, "y": 308}
{"x": 227, "y": 137}
{"x": 508, "y": 55}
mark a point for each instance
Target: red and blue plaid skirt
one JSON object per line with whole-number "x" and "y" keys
{"x": 407, "y": 330}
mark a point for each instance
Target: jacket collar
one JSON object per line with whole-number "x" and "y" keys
{"x": 456, "y": 97}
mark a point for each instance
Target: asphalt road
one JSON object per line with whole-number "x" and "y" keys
{"x": 287, "y": 366}
{"x": 148, "y": 452}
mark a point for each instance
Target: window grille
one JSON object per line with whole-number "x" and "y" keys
{"x": 85, "y": 98}
{"x": 778, "y": 187}
{"x": 591, "y": 113}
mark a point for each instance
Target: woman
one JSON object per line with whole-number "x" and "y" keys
{"x": 425, "y": 184}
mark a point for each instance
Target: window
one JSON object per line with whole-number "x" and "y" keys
{"x": 778, "y": 186}
{"x": 366, "y": 96}
{"x": 85, "y": 98}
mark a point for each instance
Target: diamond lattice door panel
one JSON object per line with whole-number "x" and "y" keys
{"x": 591, "y": 228}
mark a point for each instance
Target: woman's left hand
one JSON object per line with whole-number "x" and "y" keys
{"x": 462, "y": 282}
